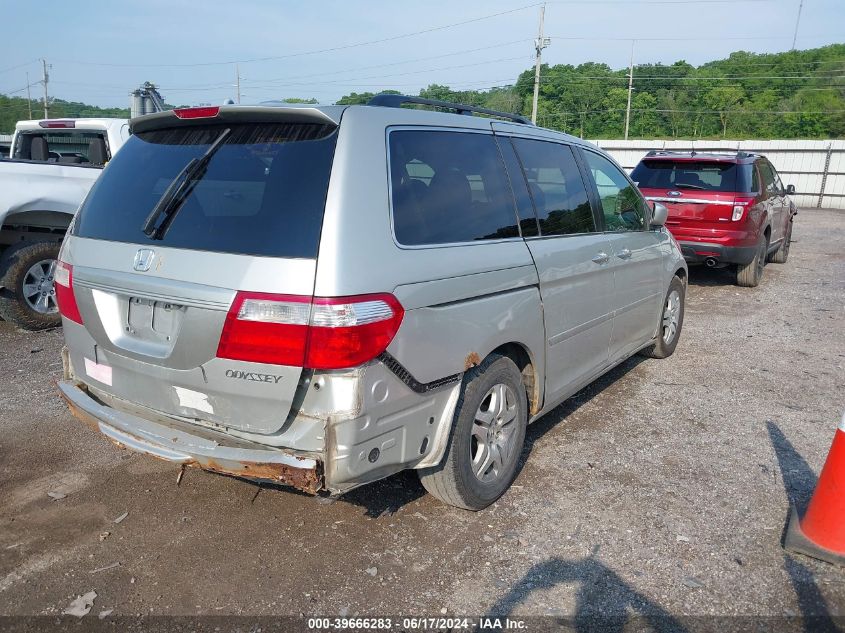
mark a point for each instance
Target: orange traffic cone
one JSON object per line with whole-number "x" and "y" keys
{"x": 821, "y": 534}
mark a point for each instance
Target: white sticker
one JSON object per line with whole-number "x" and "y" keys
{"x": 193, "y": 400}
{"x": 100, "y": 373}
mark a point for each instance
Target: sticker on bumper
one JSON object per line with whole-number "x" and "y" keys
{"x": 191, "y": 399}
{"x": 100, "y": 373}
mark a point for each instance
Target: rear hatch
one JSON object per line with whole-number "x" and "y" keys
{"x": 195, "y": 222}
{"x": 697, "y": 193}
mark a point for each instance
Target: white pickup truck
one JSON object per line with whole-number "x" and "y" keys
{"x": 51, "y": 166}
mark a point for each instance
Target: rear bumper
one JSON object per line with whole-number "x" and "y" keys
{"x": 191, "y": 445}
{"x": 699, "y": 252}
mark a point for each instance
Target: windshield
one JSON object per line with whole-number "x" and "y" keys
{"x": 692, "y": 175}
{"x": 263, "y": 192}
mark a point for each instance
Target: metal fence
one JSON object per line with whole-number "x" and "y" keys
{"x": 816, "y": 168}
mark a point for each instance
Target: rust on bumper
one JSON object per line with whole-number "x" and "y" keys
{"x": 308, "y": 477}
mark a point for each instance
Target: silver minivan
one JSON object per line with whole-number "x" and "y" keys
{"x": 324, "y": 296}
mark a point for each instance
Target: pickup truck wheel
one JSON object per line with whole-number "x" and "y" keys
{"x": 671, "y": 322}
{"x": 27, "y": 298}
{"x": 486, "y": 437}
{"x": 782, "y": 253}
{"x": 750, "y": 274}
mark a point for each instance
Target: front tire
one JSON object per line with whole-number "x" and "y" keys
{"x": 671, "y": 322}
{"x": 28, "y": 299}
{"x": 749, "y": 275}
{"x": 486, "y": 439}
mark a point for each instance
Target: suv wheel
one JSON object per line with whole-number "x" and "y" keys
{"x": 486, "y": 437}
{"x": 671, "y": 322}
{"x": 750, "y": 274}
{"x": 28, "y": 299}
{"x": 780, "y": 255}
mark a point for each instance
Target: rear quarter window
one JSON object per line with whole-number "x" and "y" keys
{"x": 263, "y": 194}
{"x": 448, "y": 187}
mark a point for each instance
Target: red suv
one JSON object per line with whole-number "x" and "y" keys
{"x": 724, "y": 209}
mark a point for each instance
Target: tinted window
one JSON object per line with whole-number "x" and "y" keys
{"x": 264, "y": 192}
{"x": 702, "y": 176}
{"x": 66, "y": 147}
{"x": 776, "y": 177}
{"x": 768, "y": 178}
{"x": 556, "y": 187}
{"x": 449, "y": 187}
{"x": 524, "y": 206}
{"x": 622, "y": 205}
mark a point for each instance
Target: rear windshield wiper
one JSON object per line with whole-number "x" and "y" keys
{"x": 683, "y": 186}
{"x": 179, "y": 190}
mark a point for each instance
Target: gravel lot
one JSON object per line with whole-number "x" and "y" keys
{"x": 661, "y": 490}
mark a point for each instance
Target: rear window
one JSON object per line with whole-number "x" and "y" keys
{"x": 264, "y": 192}
{"x": 449, "y": 187}
{"x": 692, "y": 175}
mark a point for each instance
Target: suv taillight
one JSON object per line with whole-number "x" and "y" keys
{"x": 63, "y": 285}
{"x": 740, "y": 205}
{"x": 312, "y": 332}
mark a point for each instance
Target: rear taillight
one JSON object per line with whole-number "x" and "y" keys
{"x": 63, "y": 285}
{"x": 740, "y": 205}
{"x": 317, "y": 333}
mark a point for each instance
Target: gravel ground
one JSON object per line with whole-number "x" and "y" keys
{"x": 661, "y": 491}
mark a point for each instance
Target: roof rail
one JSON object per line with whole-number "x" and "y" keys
{"x": 669, "y": 152}
{"x": 397, "y": 101}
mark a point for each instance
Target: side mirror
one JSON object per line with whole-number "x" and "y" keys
{"x": 659, "y": 213}
{"x": 790, "y": 190}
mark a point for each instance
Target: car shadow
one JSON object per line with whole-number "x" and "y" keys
{"x": 604, "y": 601}
{"x": 569, "y": 406}
{"x": 703, "y": 276}
{"x": 799, "y": 481}
{"x": 387, "y": 496}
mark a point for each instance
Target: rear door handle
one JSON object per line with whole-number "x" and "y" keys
{"x": 601, "y": 258}
{"x": 624, "y": 254}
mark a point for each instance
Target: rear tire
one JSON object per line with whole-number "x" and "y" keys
{"x": 486, "y": 438}
{"x": 749, "y": 275}
{"x": 26, "y": 275}
{"x": 782, "y": 253}
{"x": 671, "y": 322}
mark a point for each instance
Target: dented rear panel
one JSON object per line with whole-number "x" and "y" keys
{"x": 154, "y": 283}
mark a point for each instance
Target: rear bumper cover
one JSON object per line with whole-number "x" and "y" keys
{"x": 190, "y": 445}
{"x": 698, "y": 252}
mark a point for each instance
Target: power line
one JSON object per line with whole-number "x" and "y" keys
{"x": 19, "y": 66}
{"x": 313, "y": 52}
{"x": 408, "y": 61}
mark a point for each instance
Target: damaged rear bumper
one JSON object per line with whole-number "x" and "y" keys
{"x": 190, "y": 445}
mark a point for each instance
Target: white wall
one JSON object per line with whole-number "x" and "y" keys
{"x": 799, "y": 163}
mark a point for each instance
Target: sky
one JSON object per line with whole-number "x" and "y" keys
{"x": 100, "y": 50}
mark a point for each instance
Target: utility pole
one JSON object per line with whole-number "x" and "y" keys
{"x": 44, "y": 81}
{"x": 28, "y": 97}
{"x": 237, "y": 83}
{"x": 539, "y": 44}
{"x": 797, "y": 20}
{"x": 630, "y": 90}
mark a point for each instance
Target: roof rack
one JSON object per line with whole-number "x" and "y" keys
{"x": 397, "y": 101}
{"x": 669, "y": 152}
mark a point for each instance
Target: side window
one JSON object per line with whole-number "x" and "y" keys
{"x": 622, "y": 205}
{"x": 524, "y": 206}
{"x": 776, "y": 178}
{"x": 556, "y": 186}
{"x": 768, "y": 178}
{"x": 755, "y": 179}
{"x": 449, "y": 187}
